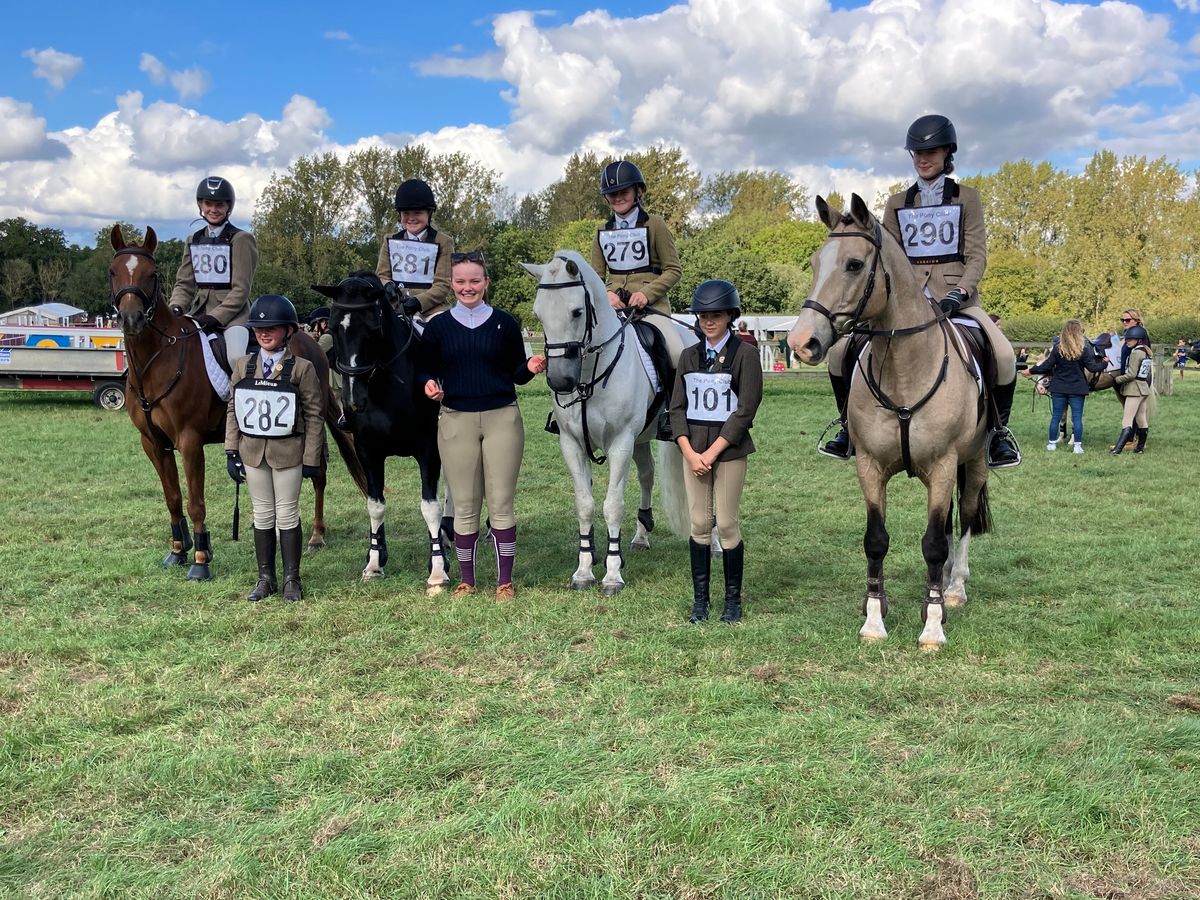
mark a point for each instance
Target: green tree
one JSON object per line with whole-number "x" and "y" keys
{"x": 754, "y": 191}
{"x": 576, "y": 195}
{"x": 16, "y": 281}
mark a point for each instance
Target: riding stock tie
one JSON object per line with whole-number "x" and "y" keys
{"x": 711, "y": 359}
{"x": 268, "y": 367}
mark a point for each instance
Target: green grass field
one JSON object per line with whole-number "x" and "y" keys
{"x": 166, "y": 739}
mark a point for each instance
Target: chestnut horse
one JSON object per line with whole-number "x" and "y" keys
{"x": 173, "y": 405}
{"x": 915, "y": 404}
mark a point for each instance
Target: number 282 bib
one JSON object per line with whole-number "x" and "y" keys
{"x": 710, "y": 397}
{"x": 266, "y": 408}
{"x": 931, "y": 234}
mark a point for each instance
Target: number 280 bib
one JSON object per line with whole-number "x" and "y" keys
{"x": 710, "y": 396}
{"x": 931, "y": 234}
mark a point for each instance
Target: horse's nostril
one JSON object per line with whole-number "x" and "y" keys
{"x": 813, "y": 347}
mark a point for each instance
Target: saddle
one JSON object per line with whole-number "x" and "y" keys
{"x": 979, "y": 357}
{"x": 652, "y": 341}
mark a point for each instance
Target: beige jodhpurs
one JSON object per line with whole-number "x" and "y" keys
{"x": 274, "y": 496}
{"x": 481, "y": 455}
{"x": 1002, "y": 351}
{"x": 720, "y": 487}
{"x": 1136, "y": 411}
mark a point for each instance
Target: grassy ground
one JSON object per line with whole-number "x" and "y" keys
{"x": 167, "y": 739}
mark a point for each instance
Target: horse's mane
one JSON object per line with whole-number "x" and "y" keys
{"x": 595, "y": 284}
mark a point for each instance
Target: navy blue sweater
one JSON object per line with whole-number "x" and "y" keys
{"x": 478, "y": 367}
{"x": 1066, "y": 375}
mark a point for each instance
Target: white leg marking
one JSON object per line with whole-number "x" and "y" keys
{"x": 956, "y": 589}
{"x": 376, "y": 510}
{"x": 932, "y": 636}
{"x": 431, "y": 512}
{"x": 873, "y": 629}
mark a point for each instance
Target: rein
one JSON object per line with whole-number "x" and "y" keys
{"x": 582, "y": 349}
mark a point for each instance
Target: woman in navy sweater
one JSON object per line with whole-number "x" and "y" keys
{"x": 476, "y": 357}
{"x": 1066, "y": 363}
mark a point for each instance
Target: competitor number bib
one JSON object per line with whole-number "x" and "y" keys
{"x": 211, "y": 263}
{"x": 625, "y": 249}
{"x": 413, "y": 262}
{"x": 265, "y": 412}
{"x": 931, "y": 234}
{"x": 710, "y": 396}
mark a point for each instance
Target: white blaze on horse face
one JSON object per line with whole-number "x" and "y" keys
{"x": 131, "y": 264}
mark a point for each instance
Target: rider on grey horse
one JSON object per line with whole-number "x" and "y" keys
{"x": 213, "y": 282}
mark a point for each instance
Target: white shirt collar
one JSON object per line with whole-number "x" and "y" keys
{"x": 630, "y": 220}
{"x": 932, "y": 191}
{"x": 471, "y": 318}
{"x": 273, "y": 357}
{"x": 409, "y": 236}
{"x": 719, "y": 345}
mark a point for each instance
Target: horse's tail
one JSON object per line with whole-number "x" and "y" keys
{"x": 674, "y": 498}
{"x": 981, "y": 522}
{"x": 344, "y": 441}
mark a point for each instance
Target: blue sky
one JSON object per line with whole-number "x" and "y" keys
{"x": 111, "y": 114}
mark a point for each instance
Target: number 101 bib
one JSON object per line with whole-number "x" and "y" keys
{"x": 710, "y": 396}
{"x": 931, "y": 234}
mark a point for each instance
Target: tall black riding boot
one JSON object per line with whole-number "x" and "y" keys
{"x": 264, "y": 553}
{"x": 735, "y": 558}
{"x": 701, "y": 576}
{"x": 1002, "y": 449}
{"x": 291, "y": 543}
{"x": 839, "y": 445}
{"x": 1142, "y": 434}
{"x": 1122, "y": 439}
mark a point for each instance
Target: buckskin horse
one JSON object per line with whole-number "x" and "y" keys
{"x": 915, "y": 404}
{"x": 377, "y": 352}
{"x": 603, "y": 401}
{"x": 174, "y": 406}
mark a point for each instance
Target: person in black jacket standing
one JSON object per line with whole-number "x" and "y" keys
{"x": 476, "y": 356}
{"x": 1066, "y": 363}
{"x": 718, "y": 388}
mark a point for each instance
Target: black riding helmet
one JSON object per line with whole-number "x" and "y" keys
{"x": 930, "y": 132}
{"x": 619, "y": 175}
{"x": 321, "y": 313}
{"x": 716, "y": 295}
{"x": 1136, "y": 333}
{"x": 415, "y": 194}
{"x": 216, "y": 188}
{"x": 273, "y": 309}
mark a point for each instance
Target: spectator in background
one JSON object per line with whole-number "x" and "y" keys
{"x": 785, "y": 352}
{"x": 1066, "y": 363}
{"x": 744, "y": 335}
{"x": 1134, "y": 385}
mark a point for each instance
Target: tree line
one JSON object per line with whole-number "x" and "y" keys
{"x": 1123, "y": 232}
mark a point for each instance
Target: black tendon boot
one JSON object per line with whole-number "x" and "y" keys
{"x": 1002, "y": 448}
{"x": 701, "y": 574}
{"x": 264, "y": 553}
{"x": 735, "y": 558}
{"x": 291, "y": 543}
{"x": 1122, "y": 439}
{"x": 1142, "y": 434}
{"x": 839, "y": 445}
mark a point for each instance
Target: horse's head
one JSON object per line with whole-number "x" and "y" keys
{"x": 844, "y": 288}
{"x": 570, "y": 301}
{"x": 359, "y": 311}
{"x": 133, "y": 280}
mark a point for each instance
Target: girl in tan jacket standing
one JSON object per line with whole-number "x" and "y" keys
{"x": 274, "y": 439}
{"x": 717, "y": 392}
{"x": 1134, "y": 384}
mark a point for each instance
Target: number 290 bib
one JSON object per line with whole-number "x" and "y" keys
{"x": 710, "y": 396}
{"x": 931, "y": 234}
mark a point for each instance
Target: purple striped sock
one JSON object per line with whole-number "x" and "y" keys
{"x": 504, "y": 542}
{"x": 464, "y": 546}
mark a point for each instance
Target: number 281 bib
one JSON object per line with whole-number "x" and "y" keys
{"x": 931, "y": 234}
{"x": 710, "y": 396}
{"x": 413, "y": 262}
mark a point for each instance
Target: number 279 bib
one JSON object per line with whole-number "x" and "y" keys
{"x": 710, "y": 396}
{"x": 625, "y": 249}
{"x": 931, "y": 234}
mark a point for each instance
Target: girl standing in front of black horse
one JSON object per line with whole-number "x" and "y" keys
{"x": 476, "y": 358}
{"x": 717, "y": 392}
{"x": 274, "y": 438}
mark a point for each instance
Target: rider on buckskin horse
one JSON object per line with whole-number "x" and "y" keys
{"x": 634, "y": 252}
{"x": 213, "y": 282}
{"x": 939, "y": 224}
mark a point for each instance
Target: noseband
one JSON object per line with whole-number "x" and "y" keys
{"x": 854, "y": 320}
{"x": 150, "y": 301}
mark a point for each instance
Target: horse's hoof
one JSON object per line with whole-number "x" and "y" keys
{"x": 636, "y": 544}
{"x": 199, "y": 572}
{"x": 582, "y": 584}
{"x": 174, "y": 559}
{"x": 314, "y": 546}
{"x": 432, "y": 590}
{"x": 611, "y": 590}
{"x": 931, "y": 645}
{"x": 368, "y": 574}
{"x": 872, "y": 635}
{"x": 954, "y": 601}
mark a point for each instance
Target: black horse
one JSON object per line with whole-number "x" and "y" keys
{"x": 378, "y": 353}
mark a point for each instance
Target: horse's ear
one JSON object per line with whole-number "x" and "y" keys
{"x": 116, "y": 238}
{"x": 859, "y": 212}
{"x": 326, "y": 290}
{"x": 534, "y": 269}
{"x": 827, "y": 213}
{"x": 151, "y": 239}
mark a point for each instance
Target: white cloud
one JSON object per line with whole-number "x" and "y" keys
{"x": 1188, "y": 5}
{"x": 23, "y": 136}
{"x": 188, "y": 83}
{"x": 57, "y": 68}
{"x": 337, "y": 36}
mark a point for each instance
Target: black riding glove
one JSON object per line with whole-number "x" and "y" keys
{"x": 953, "y": 301}
{"x": 311, "y": 472}
{"x": 233, "y": 465}
{"x": 410, "y": 304}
